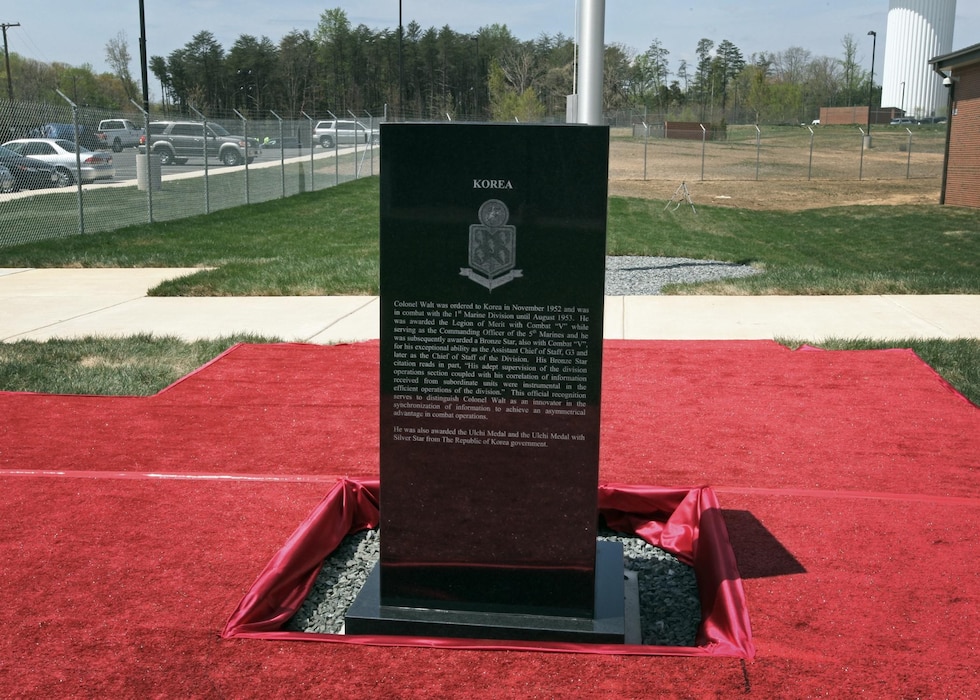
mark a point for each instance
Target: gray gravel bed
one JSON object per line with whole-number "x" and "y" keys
{"x": 633, "y": 275}
{"x": 670, "y": 609}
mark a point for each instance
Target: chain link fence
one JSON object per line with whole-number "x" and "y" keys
{"x": 293, "y": 160}
{"x": 840, "y": 153}
{"x": 290, "y": 161}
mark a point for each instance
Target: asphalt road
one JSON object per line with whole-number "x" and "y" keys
{"x": 125, "y": 162}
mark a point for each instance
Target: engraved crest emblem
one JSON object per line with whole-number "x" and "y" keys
{"x": 492, "y": 247}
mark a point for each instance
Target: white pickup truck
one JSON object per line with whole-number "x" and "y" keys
{"x": 120, "y": 133}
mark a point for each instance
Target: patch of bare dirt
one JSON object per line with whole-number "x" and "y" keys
{"x": 784, "y": 195}
{"x": 626, "y": 169}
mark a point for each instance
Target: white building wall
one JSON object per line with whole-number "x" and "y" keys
{"x": 917, "y": 31}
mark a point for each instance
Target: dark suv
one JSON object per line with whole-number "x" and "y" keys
{"x": 175, "y": 142}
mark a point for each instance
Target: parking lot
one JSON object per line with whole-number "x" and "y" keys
{"x": 126, "y": 166}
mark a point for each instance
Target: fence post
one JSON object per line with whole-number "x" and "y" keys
{"x": 908, "y": 160}
{"x": 371, "y": 138}
{"x": 78, "y": 161}
{"x": 758, "y": 150}
{"x": 312, "y": 146}
{"x": 282, "y": 156}
{"x": 149, "y": 159}
{"x": 204, "y": 146}
{"x": 861, "y": 168}
{"x": 244, "y": 136}
{"x": 336, "y": 148}
{"x": 809, "y": 167}
{"x": 357, "y": 165}
{"x": 646, "y": 141}
{"x": 704, "y": 138}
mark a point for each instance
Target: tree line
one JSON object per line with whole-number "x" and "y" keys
{"x": 416, "y": 73}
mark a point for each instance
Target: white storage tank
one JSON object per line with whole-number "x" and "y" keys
{"x": 917, "y": 31}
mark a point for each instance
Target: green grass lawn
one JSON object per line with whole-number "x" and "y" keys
{"x": 139, "y": 365}
{"x": 842, "y": 250}
{"x": 326, "y": 242}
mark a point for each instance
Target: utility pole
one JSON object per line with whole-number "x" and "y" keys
{"x": 871, "y": 85}
{"x": 6, "y": 59}
{"x": 143, "y": 72}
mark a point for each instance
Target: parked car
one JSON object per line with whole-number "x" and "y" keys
{"x": 330, "y": 132}
{"x": 176, "y": 142}
{"x": 60, "y": 154}
{"x": 86, "y": 137}
{"x": 28, "y": 173}
{"x": 902, "y": 120}
{"x": 120, "y": 133}
{"x": 7, "y": 183}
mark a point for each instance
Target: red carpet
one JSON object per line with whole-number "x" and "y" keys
{"x": 132, "y": 527}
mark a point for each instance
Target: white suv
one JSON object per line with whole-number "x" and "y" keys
{"x": 330, "y": 132}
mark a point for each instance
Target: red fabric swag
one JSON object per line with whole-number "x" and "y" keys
{"x": 686, "y": 522}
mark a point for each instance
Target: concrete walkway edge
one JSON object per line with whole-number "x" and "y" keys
{"x": 41, "y": 304}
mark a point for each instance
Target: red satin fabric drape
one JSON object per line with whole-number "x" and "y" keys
{"x": 685, "y": 522}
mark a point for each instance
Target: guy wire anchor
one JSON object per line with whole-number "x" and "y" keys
{"x": 680, "y": 194}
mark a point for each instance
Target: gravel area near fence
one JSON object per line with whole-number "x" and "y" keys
{"x": 670, "y": 609}
{"x": 632, "y": 275}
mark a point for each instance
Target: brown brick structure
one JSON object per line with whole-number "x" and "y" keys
{"x": 858, "y": 115}
{"x": 961, "y": 169}
{"x": 693, "y": 131}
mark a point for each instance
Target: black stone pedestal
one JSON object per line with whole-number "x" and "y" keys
{"x": 616, "y": 618}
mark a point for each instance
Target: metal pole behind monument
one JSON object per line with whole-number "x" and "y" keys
{"x": 592, "y": 20}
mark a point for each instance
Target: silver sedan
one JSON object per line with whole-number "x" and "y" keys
{"x": 60, "y": 154}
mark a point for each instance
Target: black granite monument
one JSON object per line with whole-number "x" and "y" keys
{"x": 492, "y": 272}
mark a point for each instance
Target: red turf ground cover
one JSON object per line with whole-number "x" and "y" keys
{"x": 132, "y": 527}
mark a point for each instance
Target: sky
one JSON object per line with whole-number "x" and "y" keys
{"x": 79, "y": 34}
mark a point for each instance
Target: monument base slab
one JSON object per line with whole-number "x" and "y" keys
{"x": 616, "y": 621}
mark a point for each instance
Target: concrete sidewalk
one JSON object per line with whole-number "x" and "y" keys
{"x": 40, "y": 304}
